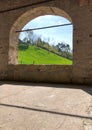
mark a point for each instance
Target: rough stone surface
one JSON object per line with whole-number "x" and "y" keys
{"x": 88, "y": 123}
{"x": 45, "y": 107}
{"x": 79, "y": 12}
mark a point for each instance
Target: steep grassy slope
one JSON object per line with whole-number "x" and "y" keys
{"x": 35, "y": 55}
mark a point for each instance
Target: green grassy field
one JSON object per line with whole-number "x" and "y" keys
{"x": 35, "y": 55}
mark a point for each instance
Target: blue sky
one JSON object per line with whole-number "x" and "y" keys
{"x": 55, "y": 35}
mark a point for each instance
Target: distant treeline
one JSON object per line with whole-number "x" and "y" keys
{"x": 61, "y": 49}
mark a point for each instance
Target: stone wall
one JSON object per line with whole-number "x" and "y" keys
{"x": 13, "y": 18}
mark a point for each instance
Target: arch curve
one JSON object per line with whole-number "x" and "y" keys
{"x": 23, "y": 20}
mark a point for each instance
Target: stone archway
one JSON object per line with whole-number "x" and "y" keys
{"x": 15, "y": 14}
{"x": 25, "y": 18}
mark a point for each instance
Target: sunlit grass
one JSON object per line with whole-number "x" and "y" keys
{"x": 35, "y": 55}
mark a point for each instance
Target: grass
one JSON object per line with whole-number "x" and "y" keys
{"x": 35, "y": 55}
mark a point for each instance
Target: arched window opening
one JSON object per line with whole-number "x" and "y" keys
{"x": 46, "y": 40}
{"x": 32, "y": 15}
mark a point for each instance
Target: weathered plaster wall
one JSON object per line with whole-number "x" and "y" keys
{"x": 11, "y": 21}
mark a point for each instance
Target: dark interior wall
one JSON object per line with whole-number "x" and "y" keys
{"x": 14, "y": 18}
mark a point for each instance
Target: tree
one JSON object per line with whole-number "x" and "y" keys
{"x": 28, "y": 39}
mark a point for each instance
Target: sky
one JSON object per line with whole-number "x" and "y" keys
{"x": 55, "y": 35}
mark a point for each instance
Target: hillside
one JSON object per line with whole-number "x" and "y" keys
{"x": 35, "y": 55}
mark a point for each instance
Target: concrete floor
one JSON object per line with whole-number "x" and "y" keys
{"x": 45, "y": 107}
